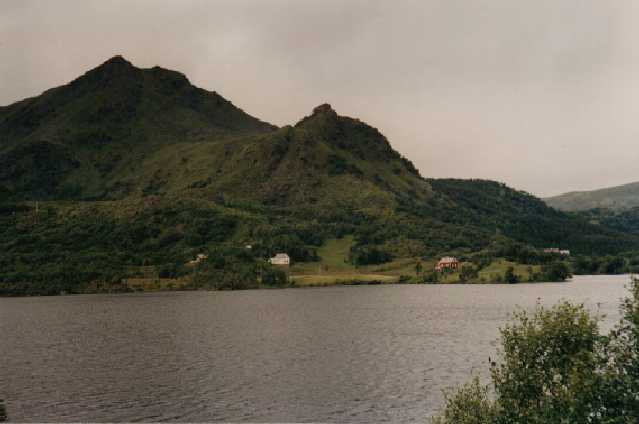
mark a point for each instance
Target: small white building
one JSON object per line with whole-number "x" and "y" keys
{"x": 199, "y": 258}
{"x": 280, "y": 259}
{"x": 557, "y": 251}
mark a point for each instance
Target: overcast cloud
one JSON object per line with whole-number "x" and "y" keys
{"x": 540, "y": 94}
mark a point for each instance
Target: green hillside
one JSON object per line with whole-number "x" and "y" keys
{"x": 520, "y": 216}
{"x": 129, "y": 173}
{"x": 615, "y": 198}
{"x": 625, "y": 220}
{"x": 100, "y": 136}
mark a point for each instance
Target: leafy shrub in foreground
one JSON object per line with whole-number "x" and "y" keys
{"x": 556, "y": 367}
{"x": 470, "y": 404}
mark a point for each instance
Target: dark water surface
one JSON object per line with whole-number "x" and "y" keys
{"x": 338, "y": 354}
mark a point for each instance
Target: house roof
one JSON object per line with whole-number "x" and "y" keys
{"x": 448, "y": 259}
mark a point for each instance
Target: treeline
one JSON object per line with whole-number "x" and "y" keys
{"x": 80, "y": 246}
{"x": 556, "y": 271}
{"x": 522, "y": 217}
{"x": 578, "y": 264}
{"x": 608, "y": 264}
{"x": 626, "y": 220}
{"x": 476, "y": 215}
{"x": 236, "y": 269}
{"x": 65, "y": 248}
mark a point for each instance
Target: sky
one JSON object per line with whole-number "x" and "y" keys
{"x": 541, "y": 94}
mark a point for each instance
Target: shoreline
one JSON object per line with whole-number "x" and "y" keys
{"x": 304, "y": 286}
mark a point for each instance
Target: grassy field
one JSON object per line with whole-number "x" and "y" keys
{"x": 335, "y": 253}
{"x": 334, "y": 259}
{"x": 499, "y": 267}
{"x": 401, "y": 266}
{"x": 335, "y": 268}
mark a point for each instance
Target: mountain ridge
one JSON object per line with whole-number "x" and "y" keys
{"x": 622, "y": 197}
{"x": 113, "y": 116}
{"x": 137, "y": 167}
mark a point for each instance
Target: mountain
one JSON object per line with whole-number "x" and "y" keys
{"x": 86, "y": 139}
{"x": 125, "y": 170}
{"x": 119, "y": 131}
{"x": 615, "y": 198}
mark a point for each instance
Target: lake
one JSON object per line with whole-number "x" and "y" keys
{"x": 334, "y": 354}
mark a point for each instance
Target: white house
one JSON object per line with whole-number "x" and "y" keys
{"x": 558, "y": 251}
{"x": 199, "y": 258}
{"x": 280, "y": 259}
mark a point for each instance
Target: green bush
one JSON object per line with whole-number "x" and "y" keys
{"x": 556, "y": 367}
{"x": 510, "y": 277}
{"x": 274, "y": 277}
{"x": 369, "y": 255}
{"x": 468, "y": 272}
{"x": 431, "y": 277}
{"x": 468, "y": 405}
{"x": 228, "y": 269}
{"x": 555, "y": 271}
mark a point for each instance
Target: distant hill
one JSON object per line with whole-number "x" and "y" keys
{"x": 135, "y": 168}
{"x": 615, "y": 198}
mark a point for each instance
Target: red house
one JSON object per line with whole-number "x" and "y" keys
{"x": 447, "y": 262}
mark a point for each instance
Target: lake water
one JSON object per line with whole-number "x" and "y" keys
{"x": 335, "y": 354}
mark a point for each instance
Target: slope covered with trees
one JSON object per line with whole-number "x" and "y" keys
{"x": 87, "y": 139}
{"x": 125, "y": 170}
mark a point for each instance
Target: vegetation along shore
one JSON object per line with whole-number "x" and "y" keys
{"x": 118, "y": 180}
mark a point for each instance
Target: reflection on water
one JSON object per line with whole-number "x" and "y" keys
{"x": 340, "y": 354}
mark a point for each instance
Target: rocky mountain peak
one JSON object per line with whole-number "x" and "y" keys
{"x": 324, "y": 109}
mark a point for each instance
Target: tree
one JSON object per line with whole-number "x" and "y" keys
{"x": 369, "y": 255}
{"x": 273, "y": 277}
{"x": 468, "y": 272}
{"x": 510, "y": 277}
{"x": 556, "y": 367}
{"x": 531, "y": 273}
{"x": 431, "y": 277}
{"x": 548, "y": 366}
{"x": 228, "y": 269}
{"x": 418, "y": 267}
{"x": 613, "y": 265}
{"x": 621, "y": 376}
{"x": 469, "y": 405}
{"x": 556, "y": 271}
